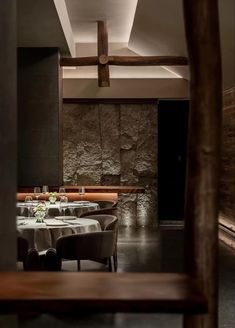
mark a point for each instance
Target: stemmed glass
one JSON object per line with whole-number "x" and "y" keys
{"x": 81, "y": 192}
{"x": 63, "y": 204}
{"x": 37, "y": 192}
{"x": 62, "y": 191}
{"x": 45, "y": 189}
{"x": 28, "y": 200}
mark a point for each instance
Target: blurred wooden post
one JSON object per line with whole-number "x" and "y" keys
{"x": 103, "y": 67}
{"x": 8, "y": 135}
{"x": 201, "y": 215}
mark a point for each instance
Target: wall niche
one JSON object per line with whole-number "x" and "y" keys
{"x": 114, "y": 144}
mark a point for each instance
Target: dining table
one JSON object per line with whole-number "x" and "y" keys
{"x": 27, "y": 208}
{"x": 43, "y": 236}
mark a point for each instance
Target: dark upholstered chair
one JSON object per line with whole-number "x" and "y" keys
{"x": 32, "y": 262}
{"x": 22, "y": 250}
{"x": 109, "y": 211}
{"x": 21, "y": 211}
{"x": 51, "y": 261}
{"x": 106, "y": 203}
{"x": 86, "y": 246}
{"x": 52, "y": 212}
{"x": 107, "y": 222}
{"x": 29, "y": 256}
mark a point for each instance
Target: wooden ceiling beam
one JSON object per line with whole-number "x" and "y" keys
{"x": 103, "y": 60}
{"x": 102, "y": 50}
{"x": 125, "y": 61}
{"x": 147, "y": 60}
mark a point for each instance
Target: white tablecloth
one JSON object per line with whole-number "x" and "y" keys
{"x": 43, "y": 235}
{"x": 80, "y": 206}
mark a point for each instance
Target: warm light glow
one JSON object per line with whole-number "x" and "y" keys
{"x": 172, "y": 72}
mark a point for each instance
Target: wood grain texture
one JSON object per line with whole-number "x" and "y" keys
{"x": 102, "y": 42}
{"x": 48, "y": 292}
{"x": 227, "y": 185}
{"x": 147, "y": 60}
{"x": 201, "y": 214}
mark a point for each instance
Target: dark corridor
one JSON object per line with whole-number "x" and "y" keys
{"x": 172, "y": 145}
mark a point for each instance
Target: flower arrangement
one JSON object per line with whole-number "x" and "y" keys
{"x": 52, "y": 197}
{"x": 40, "y": 212}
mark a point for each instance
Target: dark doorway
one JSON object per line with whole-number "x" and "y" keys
{"x": 172, "y": 145}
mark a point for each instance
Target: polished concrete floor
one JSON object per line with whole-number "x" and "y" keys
{"x": 144, "y": 250}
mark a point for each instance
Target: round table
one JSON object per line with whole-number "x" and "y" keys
{"x": 44, "y": 235}
{"x": 80, "y": 206}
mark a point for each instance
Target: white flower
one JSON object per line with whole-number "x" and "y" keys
{"x": 40, "y": 207}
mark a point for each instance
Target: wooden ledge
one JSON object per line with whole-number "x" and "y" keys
{"x": 51, "y": 292}
{"x": 93, "y": 189}
{"x": 117, "y": 189}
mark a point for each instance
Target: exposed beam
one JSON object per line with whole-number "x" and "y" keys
{"x": 103, "y": 68}
{"x": 125, "y": 61}
{"x": 147, "y": 60}
{"x": 103, "y": 60}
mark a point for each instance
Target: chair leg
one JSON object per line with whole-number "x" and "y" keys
{"x": 78, "y": 265}
{"x": 110, "y": 264}
{"x": 115, "y": 260}
{"x": 24, "y": 265}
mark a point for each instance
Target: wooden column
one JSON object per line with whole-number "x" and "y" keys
{"x": 201, "y": 216}
{"x": 39, "y": 77}
{"x": 103, "y": 67}
{"x": 8, "y": 118}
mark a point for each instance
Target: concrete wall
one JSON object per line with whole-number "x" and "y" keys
{"x": 127, "y": 88}
{"x": 39, "y": 118}
{"x": 114, "y": 144}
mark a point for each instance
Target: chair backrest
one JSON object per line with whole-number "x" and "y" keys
{"x": 107, "y": 222}
{"x": 106, "y": 203}
{"x": 109, "y": 211}
{"x": 21, "y": 211}
{"x": 84, "y": 246}
{"x": 52, "y": 212}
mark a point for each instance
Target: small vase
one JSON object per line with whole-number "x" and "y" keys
{"x": 52, "y": 199}
{"x": 39, "y": 216}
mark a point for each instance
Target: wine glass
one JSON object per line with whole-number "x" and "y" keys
{"x": 81, "y": 192}
{"x": 63, "y": 204}
{"x": 62, "y": 191}
{"x": 28, "y": 200}
{"x": 45, "y": 189}
{"x": 37, "y": 192}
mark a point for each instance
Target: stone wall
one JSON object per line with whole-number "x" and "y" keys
{"x": 114, "y": 144}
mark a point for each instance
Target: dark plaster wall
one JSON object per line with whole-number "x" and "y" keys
{"x": 227, "y": 189}
{"x": 114, "y": 144}
{"x": 39, "y": 112}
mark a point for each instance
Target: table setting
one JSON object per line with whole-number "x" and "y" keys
{"x": 43, "y": 235}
